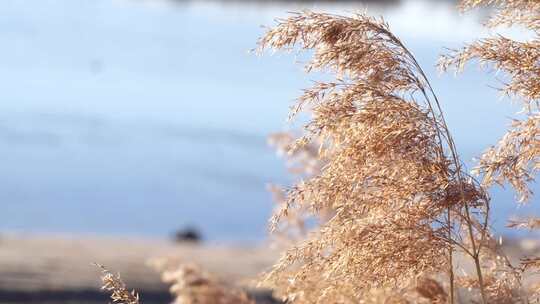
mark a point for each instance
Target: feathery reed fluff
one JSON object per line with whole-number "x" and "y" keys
{"x": 191, "y": 285}
{"x": 302, "y": 163}
{"x": 402, "y": 204}
{"x": 516, "y": 158}
{"x": 114, "y": 284}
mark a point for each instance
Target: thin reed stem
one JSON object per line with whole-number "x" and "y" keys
{"x": 450, "y": 259}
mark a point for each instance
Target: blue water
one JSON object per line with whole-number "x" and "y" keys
{"x": 141, "y": 117}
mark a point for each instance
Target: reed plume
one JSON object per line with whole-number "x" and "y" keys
{"x": 191, "y": 285}
{"x": 516, "y": 158}
{"x": 392, "y": 176}
{"x": 114, "y": 284}
{"x": 302, "y": 163}
{"x": 381, "y": 178}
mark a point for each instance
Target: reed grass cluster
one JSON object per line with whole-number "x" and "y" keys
{"x": 402, "y": 203}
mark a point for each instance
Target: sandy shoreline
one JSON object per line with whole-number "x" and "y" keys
{"x": 41, "y": 267}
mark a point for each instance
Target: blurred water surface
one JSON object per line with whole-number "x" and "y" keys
{"x": 139, "y": 117}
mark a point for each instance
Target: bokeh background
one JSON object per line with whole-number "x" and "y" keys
{"x": 140, "y": 117}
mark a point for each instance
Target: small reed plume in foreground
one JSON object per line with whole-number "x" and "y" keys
{"x": 114, "y": 284}
{"x": 191, "y": 285}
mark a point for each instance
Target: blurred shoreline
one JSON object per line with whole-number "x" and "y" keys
{"x": 59, "y": 269}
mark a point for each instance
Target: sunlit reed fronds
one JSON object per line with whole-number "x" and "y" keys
{"x": 516, "y": 158}
{"x": 392, "y": 176}
{"x": 302, "y": 163}
{"x": 525, "y": 13}
{"x": 191, "y": 285}
{"x": 529, "y": 223}
{"x": 114, "y": 284}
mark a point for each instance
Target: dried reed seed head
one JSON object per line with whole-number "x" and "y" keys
{"x": 509, "y": 12}
{"x": 191, "y": 285}
{"x": 386, "y": 176}
{"x": 516, "y": 158}
{"x": 114, "y": 284}
{"x": 532, "y": 223}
